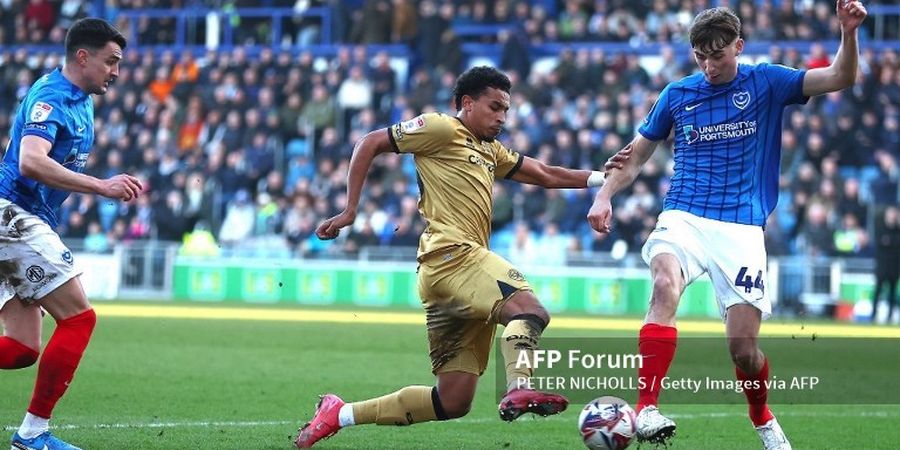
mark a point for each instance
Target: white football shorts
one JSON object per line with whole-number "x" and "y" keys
{"x": 733, "y": 254}
{"x": 33, "y": 259}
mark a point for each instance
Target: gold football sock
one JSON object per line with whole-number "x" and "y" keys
{"x": 412, "y": 404}
{"x": 521, "y": 334}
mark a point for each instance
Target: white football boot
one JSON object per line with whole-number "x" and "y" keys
{"x": 772, "y": 436}
{"x": 654, "y": 427}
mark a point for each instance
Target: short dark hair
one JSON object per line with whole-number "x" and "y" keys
{"x": 476, "y": 80}
{"x": 714, "y": 29}
{"x": 93, "y": 34}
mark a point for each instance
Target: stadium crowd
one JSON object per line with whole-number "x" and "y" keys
{"x": 255, "y": 149}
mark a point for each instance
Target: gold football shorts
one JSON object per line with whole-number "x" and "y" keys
{"x": 463, "y": 289}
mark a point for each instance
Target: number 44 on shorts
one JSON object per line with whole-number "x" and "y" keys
{"x": 747, "y": 282}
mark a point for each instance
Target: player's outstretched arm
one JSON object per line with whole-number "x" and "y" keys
{"x": 555, "y": 177}
{"x": 841, "y": 74}
{"x": 35, "y": 163}
{"x": 372, "y": 144}
{"x": 600, "y": 215}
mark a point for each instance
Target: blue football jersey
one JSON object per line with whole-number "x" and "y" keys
{"x": 60, "y": 112}
{"x": 727, "y": 141}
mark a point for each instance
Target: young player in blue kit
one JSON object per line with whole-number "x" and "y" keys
{"x": 727, "y": 133}
{"x": 50, "y": 140}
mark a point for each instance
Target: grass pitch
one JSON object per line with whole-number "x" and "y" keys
{"x": 179, "y": 383}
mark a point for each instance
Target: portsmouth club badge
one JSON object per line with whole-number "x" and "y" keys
{"x": 741, "y": 99}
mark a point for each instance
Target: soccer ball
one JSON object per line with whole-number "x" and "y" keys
{"x": 607, "y": 423}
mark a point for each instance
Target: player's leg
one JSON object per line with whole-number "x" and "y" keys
{"x": 75, "y": 322}
{"x": 891, "y": 298}
{"x": 752, "y": 369}
{"x": 21, "y": 341}
{"x": 672, "y": 251}
{"x": 458, "y": 346}
{"x": 738, "y": 273}
{"x": 750, "y": 364}
{"x": 41, "y": 270}
{"x": 450, "y": 399}
{"x": 657, "y": 341}
{"x": 524, "y": 320}
{"x": 879, "y": 282}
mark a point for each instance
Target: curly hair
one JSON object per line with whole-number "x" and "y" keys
{"x": 476, "y": 80}
{"x": 714, "y": 29}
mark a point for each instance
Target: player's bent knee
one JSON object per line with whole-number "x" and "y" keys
{"x": 456, "y": 408}
{"x": 744, "y": 357}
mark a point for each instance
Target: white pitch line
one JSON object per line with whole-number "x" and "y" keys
{"x": 688, "y": 416}
{"x": 103, "y": 426}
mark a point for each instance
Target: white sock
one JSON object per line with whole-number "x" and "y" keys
{"x": 345, "y": 416}
{"x": 33, "y": 425}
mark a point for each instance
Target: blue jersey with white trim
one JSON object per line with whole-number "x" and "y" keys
{"x": 727, "y": 141}
{"x": 60, "y": 112}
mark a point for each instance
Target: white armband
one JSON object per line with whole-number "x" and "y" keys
{"x": 596, "y": 179}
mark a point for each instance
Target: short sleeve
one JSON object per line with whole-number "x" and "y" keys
{"x": 508, "y": 161}
{"x": 786, "y": 83}
{"x": 658, "y": 123}
{"x": 44, "y": 115}
{"x": 421, "y": 135}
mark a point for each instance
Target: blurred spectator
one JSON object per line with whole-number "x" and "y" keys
{"x": 887, "y": 259}
{"x": 171, "y": 220}
{"x": 96, "y": 240}
{"x": 816, "y": 234}
{"x": 239, "y": 220}
{"x": 40, "y": 15}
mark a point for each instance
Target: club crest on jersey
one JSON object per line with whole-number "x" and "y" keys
{"x": 741, "y": 99}
{"x": 40, "y": 112}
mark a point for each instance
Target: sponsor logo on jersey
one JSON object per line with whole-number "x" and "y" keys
{"x": 479, "y": 161}
{"x": 67, "y": 257}
{"x": 36, "y": 126}
{"x": 710, "y": 133}
{"x": 40, "y": 112}
{"x": 741, "y": 99}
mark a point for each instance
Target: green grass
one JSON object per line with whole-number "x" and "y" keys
{"x": 149, "y": 383}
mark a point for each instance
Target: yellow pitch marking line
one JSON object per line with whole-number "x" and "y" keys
{"x": 415, "y": 318}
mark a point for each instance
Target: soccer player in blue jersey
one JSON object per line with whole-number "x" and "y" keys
{"x": 727, "y": 133}
{"x": 51, "y": 138}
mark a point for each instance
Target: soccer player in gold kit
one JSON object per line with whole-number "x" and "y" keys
{"x": 465, "y": 288}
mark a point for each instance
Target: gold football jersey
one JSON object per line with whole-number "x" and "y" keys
{"x": 455, "y": 172}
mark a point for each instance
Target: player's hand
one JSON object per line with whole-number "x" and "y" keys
{"x": 618, "y": 160}
{"x": 851, "y": 14}
{"x": 330, "y": 228}
{"x": 600, "y": 215}
{"x": 121, "y": 187}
